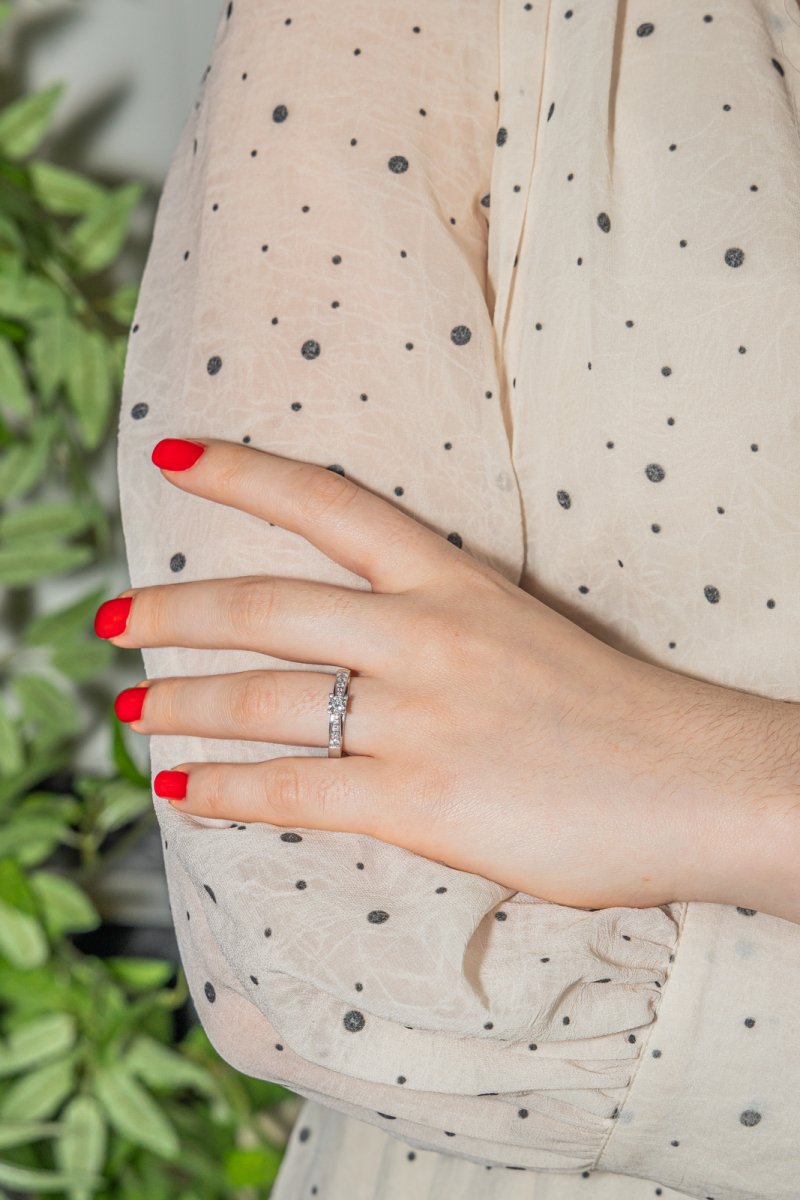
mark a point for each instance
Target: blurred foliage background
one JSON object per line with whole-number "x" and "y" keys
{"x": 109, "y": 1087}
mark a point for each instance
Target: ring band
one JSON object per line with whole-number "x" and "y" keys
{"x": 337, "y": 711}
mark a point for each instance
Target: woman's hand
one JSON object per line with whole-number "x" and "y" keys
{"x": 484, "y": 730}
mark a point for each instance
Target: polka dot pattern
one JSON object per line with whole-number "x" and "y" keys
{"x": 541, "y": 291}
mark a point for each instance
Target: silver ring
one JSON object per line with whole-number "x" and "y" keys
{"x": 337, "y": 711}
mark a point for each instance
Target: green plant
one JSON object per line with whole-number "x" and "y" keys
{"x": 96, "y": 1099}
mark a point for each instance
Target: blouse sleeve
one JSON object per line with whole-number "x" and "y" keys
{"x": 317, "y": 286}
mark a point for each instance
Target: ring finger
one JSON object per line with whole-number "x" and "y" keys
{"x": 289, "y": 707}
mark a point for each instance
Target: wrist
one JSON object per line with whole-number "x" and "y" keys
{"x": 749, "y": 849}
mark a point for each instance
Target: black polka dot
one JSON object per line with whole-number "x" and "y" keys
{"x": 354, "y": 1021}
{"x": 304, "y": 1134}
{"x": 564, "y": 499}
{"x": 301, "y": 885}
{"x": 210, "y": 892}
{"x": 603, "y": 221}
{"x": 460, "y": 335}
{"x": 280, "y": 113}
{"x": 177, "y": 562}
{"x": 734, "y": 257}
{"x": 654, "y": 472}
{"x": 211, "y": 995}
{"x": 310, "y": 349}
{"x": 140, "y": 410}
{"x": 214, "y": 364}
{"x": 502, "y": 135}
{"x": 398, "y": 164}
{"x": 746, "y": 912}
{"x": 749, "y": 1022}
{"x": 645, "y": 29}
{"x": 711, "y": 594}
{"x": 291, "y": 837}
{"x": 377, "y": 917}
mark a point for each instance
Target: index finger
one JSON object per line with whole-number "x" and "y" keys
{"x": 365, "y": 533}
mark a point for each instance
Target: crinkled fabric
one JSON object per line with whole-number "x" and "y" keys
{"x": 547, "y": 260}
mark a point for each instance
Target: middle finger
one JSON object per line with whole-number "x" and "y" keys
{"x": 299, "y": 620}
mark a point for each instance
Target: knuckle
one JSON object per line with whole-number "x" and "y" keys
{"x": 155, "y": 617}
{"x": 233, "y": 470}
{"x": 326, "y": 491}
{"x": 250, "y": 604}
{"x": 251, "y": 701}
{"x": 285, "y": 792}
{"x": 216, "y": 796}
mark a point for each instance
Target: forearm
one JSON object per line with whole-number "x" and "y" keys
{"x": 748, "y": 848}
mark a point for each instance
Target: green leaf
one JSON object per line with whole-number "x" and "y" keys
{"x": 21, "y": 1133}
{"x": 21, "y": 566}
{"x": 48, "y": 351}
{"x": 14, "y": 393}
{"x": 20, "y": 834}
{"x": 36, "y": 990}
{"x": 15, "y": 888}
{"x": 37, "y": 1041}
{"x": 37, "y": 1095}
{"x": 22, "y": 939}
{"x": 141, "y": 974}
{"x": 12, "y": 755}
{"x": 95, "y": 241}
{"x": 43, "y": 703}
{"x": 23, "y": 463}
{"x": 82, "y": 661}
{"x": 11, "y": 235}
{"x": 30, "y": 1180}
{"x": 89, "y": 384}
{"x": 82, "y": 1145}
{"x": 134, "y": 1113}
{"x": 122, "y": 803}
{"x": 59, "y": 518}
{"x": 62, "y": 191}
{"x": 159, "y": 1066}
{"x": 28, "y": 296}
{"x": 24, "y": 122}
{"x": 65, "y": 908}
{"x": 252, "y": 1168}
{"x": 122, "y": 759}
{"x": 62, "y": 625}
{"x": 121, "y": 305}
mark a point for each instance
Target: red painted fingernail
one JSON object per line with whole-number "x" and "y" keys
{"x": 176, "y": 454}
{"x": 171, "y": 785}
{"x": 129, "y": 702}
{"x": 111, "y": 617}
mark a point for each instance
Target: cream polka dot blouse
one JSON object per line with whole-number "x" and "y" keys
{"x": 530, "y": 272}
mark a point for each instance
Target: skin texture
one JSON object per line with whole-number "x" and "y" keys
{"x": 531, "y": 753}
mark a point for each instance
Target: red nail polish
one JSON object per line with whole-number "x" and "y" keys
{"x": 111, "y": 617}
{"x": 176, "y": 454}
{"x": 128, "y": 704}
{"x": 171, "y": 785}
